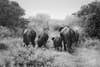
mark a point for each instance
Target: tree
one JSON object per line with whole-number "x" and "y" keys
{"x": 12, "y": 17}
{"x": 10, "y": 13}
{"x": 90, "y": 14}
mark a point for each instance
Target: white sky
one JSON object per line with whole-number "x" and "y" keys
{"x": 57, "y": 9}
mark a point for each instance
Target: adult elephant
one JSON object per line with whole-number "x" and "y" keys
{"x": 29, "y": 36}
{"x": 69, "y": 37}
{"x": 42, "y": 39}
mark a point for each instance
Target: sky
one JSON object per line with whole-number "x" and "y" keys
{"x": 57, "y": 9}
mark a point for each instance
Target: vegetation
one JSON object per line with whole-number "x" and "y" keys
{"x": 90, "y": 14}
{"x": 12, "y": 48}
{"x": 11, "y": 15}
{"x": 83, "y": 57}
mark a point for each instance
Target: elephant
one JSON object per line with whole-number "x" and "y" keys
{"x": 29, "y": 36}
{"x": 42, "y": 39}
{"x": 69, "y": 37}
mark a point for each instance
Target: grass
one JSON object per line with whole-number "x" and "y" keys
{"x": 83, "y": 57}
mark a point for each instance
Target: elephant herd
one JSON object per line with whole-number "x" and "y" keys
{"x": 67, "y": 39}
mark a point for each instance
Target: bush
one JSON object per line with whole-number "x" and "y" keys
{"x": 91, "y": 44}
{"x": 3, "y": 46}
{"x": 4, "y": 32}
{"x": 90, "y": 14}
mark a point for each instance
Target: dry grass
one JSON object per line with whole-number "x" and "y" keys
{"x": 83, "y": 57}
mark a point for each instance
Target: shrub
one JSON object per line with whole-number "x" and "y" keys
{"x": 3, "y": 46}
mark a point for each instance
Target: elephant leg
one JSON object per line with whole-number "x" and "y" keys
{"x": 75, "y": 45}
{"x": 65, "y": 48}
{"x": 61, "y": 47}
{"x": 39, "y": 44}
{"x": 26, "y": 43}
{"x": 33, "y": 43}
{"x": 45, "y": 45}
{"x": 58, "y": 48}
{"x": 70, "y": 50}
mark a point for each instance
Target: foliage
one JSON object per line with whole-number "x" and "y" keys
{"x": 84, "y": 57}
{"x": 3, "y": 46}
{"x": 5, "y": 32}
{"x": 10, "y": 14}
{"x": 90, "y": 14}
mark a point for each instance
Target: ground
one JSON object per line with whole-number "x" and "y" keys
{"x": 83, "y": 56}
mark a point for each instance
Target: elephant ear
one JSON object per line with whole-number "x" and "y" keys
{"x": 53, "y": 38}
{"x": 25, "y": 30}
{"x": 64, "y": 26}
{"x": 61, "y": 28}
